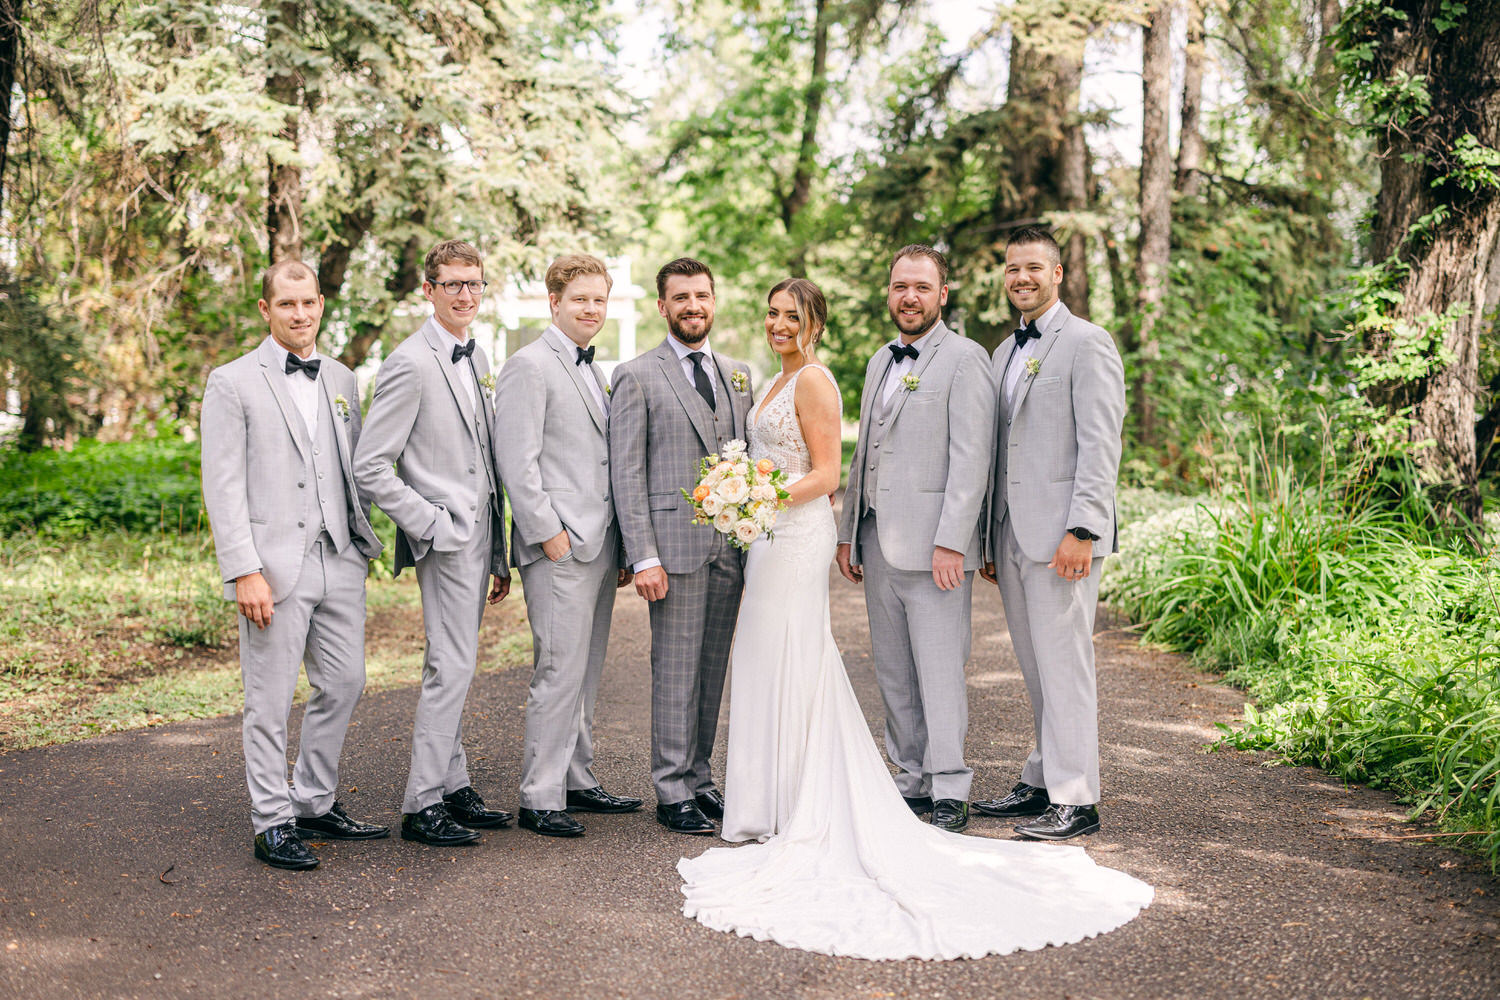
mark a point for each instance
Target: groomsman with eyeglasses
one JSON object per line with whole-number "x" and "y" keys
{"x": 427, "y": 459}
{"x": 293, "y": 539}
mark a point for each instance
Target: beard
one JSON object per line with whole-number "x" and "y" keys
{"x": 674, "y": 324}
{"x": 925, "y": 322}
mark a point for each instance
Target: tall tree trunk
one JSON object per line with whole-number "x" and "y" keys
{"x": 1444, "y": 263}
{"x": 799, "y": 190}
{"x": 1153, "y": 250}
{"x": 1190, "y": 142}
{"x": 284, "y": 172}
{"x": 10, "y": 47}
{"x": 1072, "y": 185}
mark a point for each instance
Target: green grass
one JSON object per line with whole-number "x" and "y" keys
{"x": 123, "y": 630}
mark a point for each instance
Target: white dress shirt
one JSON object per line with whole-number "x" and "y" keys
{"x": 590, "y": 379}
{"x": 687, "y": 363}
{"x": 303, "y": 390}
{"x": 1015, "y": 366}
{"x": 894, "y": 373}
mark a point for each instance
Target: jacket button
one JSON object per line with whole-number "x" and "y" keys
{"x": 603, "y": 461}
{"x": 471, "y": 470}
{"x": 301, "y": 486}
{"x": 301, "y": 524}
{"x": 875, "y": 444}
{"x": 473, "y": 507}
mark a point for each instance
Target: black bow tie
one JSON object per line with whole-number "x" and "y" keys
{"x": 462, "y": 350}
{"x": 585, "y": 356}
{"x": 308, "y": 367}
{"x": 903, "y": 351}
{"x": 1028, "y": 331}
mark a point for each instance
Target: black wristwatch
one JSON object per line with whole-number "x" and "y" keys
{"x": 1083, "y": 534}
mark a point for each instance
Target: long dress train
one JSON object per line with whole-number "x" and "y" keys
{"x": 844, "y": 868}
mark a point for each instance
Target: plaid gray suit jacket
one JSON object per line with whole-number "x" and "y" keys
{"x": 659, "y": 431}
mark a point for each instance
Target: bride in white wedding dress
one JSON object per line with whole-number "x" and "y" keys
{"x": 843, "y": 866}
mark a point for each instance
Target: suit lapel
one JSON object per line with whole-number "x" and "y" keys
{"x": 340, "y": 435}
{"x": 687, "y": 395}
{"x": 276, "y": 379}
{"x": 1043, "y": 348}
{"x": 576, "y": 375}
{"x": 442, "y": 344}
{"x": 737, "y": 414}
{"x": 926, "y": 351}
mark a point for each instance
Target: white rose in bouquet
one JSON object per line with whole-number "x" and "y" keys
{"x": 762, "y": 492}
{"x": 765, "y": 516}
{"x": 725, "y": 519}
{"x": 734, "y": 489}
{"x": 746, "y": 531}
{"x": 712, "y": 505}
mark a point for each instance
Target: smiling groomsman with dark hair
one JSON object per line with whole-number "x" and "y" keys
{"x": 293, "y": 539}
{"x": 554, "y": 460}
{"x": 910, "y": 529}
{"x": 1052, "y": 522}
{"x": 671, "y": 407}
{"x": 427, "y": 460}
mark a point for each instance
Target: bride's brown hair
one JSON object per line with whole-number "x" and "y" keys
{"x": 812, "y": 309}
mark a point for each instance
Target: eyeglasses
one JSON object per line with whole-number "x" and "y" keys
{"x": 454, "y": 287}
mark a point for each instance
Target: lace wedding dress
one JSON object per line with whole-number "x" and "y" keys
{"x": 843, "y": 867}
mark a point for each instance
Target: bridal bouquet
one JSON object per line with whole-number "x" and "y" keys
{"x": 740, "y": 498}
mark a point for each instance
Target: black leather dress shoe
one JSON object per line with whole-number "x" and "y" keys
{"x": 950, "y": 814}
{"x": 280, "y": 847}
{"x": 684, "y": 817}
{"x": 1023, "y": 800}
{"x": 597, "y": 800}
{"x": 466, "y": 807}
{"x": 711, "y": 803}
{"x": 434, "y": 826}
{"x": 550, "y": 823}
{"x": 919, "y": 804}
{"x": 336, "y": 824}
{"x": 1061, "y": 823}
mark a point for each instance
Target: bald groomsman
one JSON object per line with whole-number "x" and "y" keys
{"x": 427, "y": 460}
{"x": 293, "y": 539}
{"x": 554, "y": 460}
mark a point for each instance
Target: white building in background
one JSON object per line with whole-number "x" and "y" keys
{"x": 520, "y": 314}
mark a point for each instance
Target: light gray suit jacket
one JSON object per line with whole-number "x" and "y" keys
{"x": 1058, "y": 443}
{"x": 660, "y": 429}
{"x": 554, "y": 456}
{"x": 932, "y": 469}
{"x": 257, "y": 468}
{"x": 426, "y": 453}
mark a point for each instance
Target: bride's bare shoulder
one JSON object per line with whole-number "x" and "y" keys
{"x": 818, "y": 394}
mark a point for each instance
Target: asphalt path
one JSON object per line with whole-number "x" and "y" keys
{"x": 126, "y": 869}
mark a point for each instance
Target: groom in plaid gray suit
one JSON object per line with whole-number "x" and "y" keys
{"x": 669, "y": 408}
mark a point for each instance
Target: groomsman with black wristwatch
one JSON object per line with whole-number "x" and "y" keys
{"x": 1051, "y": 522}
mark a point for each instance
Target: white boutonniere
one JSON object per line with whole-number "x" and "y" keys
{"x": 342, "y": 405}
{"x": 487, "y": 380}
{"x": 1033, "y": 367}
{"x": 739, "y": 380}
{"x": 910, "y": 382}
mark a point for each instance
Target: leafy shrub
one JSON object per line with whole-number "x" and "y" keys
{"x": 145, "y": 485}
{"x": 1370, "y": 644}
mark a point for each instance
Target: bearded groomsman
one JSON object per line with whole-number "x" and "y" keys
{"x": 293, "y": 539}
{"x": 911, "y": 529}
{"x": 1052, "y": 522}
{"x": 554, "y": 461}
{"x": 671, "y": 407}
{"x": 427, "y": 459}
